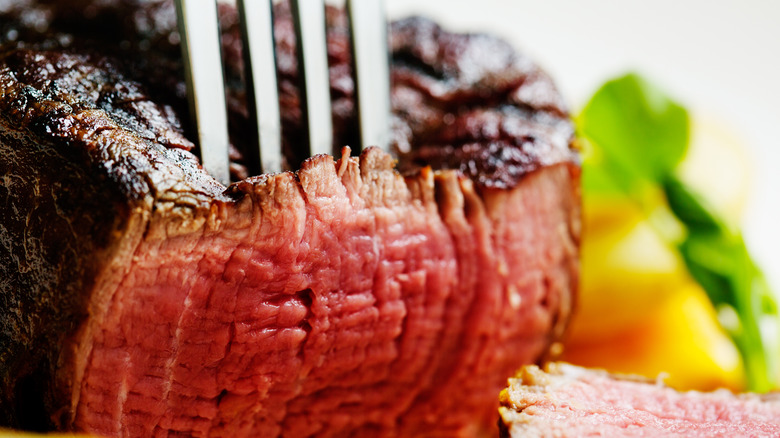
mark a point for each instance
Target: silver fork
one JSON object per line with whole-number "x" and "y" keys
{"x": 200, "y": 41}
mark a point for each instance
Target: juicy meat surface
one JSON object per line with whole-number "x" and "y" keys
{"x": 569, "y": 401}
{"x": 141, "y": 297}
{"x": 348, "y": 300}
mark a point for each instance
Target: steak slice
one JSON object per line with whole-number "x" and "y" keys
{"x": 139, "y": 297}
{"x": 566, "y": 400}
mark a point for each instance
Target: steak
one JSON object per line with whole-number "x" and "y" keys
{"x": 345, "y": 297}
{"x": 566, "y": 400}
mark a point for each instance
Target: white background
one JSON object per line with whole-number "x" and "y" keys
{"x": 720, "y": 58}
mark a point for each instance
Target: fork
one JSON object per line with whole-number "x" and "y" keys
{"x": 200, "y": 41}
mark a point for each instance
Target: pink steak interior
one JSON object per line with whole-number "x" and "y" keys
{"x": 347, "y": 300}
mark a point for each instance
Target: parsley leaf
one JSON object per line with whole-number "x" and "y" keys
{"x": 636, "y": 129}
{"x": 635, "y": 137}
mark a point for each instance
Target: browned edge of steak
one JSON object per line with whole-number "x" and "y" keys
{"x": 76, "y": 195}
{"x": 58, "y": 222}
{"x": 462, "y": 101}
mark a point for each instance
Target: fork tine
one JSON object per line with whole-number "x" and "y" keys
{"x": 200, "y": 41}
{"x": 309, "y": 21}
{"x": 368, "y": 29}
{"x": 256, "y": 17}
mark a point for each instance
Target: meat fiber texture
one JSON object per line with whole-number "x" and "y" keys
{"x": 568, "y": 401}
{"x": 140, "y": 297}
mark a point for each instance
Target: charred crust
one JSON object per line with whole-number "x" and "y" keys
{"x": 444, "y": 86}
{"x": 83, "y": 151}
{"x": 495, "y": 120}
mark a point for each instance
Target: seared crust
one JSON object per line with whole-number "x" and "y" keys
{"x": 85, "y": 156}
{"x": 460, "y": 101}
{"x": 494, "y": 118}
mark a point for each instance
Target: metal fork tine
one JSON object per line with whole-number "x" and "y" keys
{"x": 368, "y": 29}
{"x": 200, "y": 36}
{"x": 256, "y": 17}
{"x": 309, "y": 21}
{"x": 200, "y": 41}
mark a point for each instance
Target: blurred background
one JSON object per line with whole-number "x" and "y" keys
{"x": 720, "y": 59}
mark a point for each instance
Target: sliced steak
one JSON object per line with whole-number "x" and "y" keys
{"x": 140, "y": 297}
{"x": 569, "y": 401}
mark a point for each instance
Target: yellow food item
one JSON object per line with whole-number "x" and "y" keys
{"x": 639, "y": 311}
{"x": 680, "y": 339}
{"x": 627, "y": 270}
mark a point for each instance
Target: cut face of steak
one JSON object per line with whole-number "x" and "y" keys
{"x": 140, "y": 297}
{"x": 565, "y": 400}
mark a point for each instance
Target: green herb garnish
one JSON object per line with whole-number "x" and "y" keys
{"x": 636, "y": 136}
